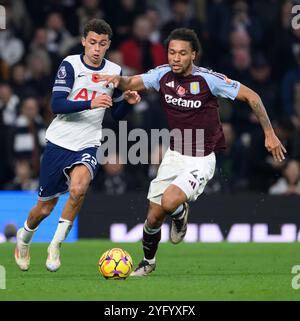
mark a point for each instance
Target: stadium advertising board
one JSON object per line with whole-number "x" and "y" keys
{"x": 215, "y": 218}
{"x": 14, "y": 208}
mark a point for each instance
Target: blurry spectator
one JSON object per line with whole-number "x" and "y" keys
{"x": 29, "y": 134}
{"x": 286, "y": 44}
{"x": 18, "y": 19}
{"x": 19, "y": 82}
{"x": 232, "y": 165}
{"x": 40, "y": 40}
{"x": 8, "y": 114}
{"x": 39, "y": 46}
{"x": 59, "y": 38}
{"x": 218, "y": 28}
{"x": 241, "y": 19}
{"x": 114, "y": 179}
{"x": 10, "y": 232}
{"x": 148, "y": 113}
{"x": 237, "y": 63}
{"x": 139, "y": 52}
{"x": 11, "y": 48}
{"x": 238, "y": 67}
{"x": 263, "y": 170}
{"x": 6, "y": 171}
{"x": 290, "y": 93}
{"x": 289, "y": 183}
{"x": 261, "y": 82}
{"x": 121, "y": 15}
{"x": 183, "y": 17}
{"x": 39, "y": 67}
{"x": 23, "y": 180}
{"x": 116, "y": 56}
{"x": 153, "y": 16}
{"x": 163, "y": 7}
{"x": 88, "y": 10}
{"x": 8, "y": 104}
{"x": 241, "y": 61}
{"x": 267, "y": 21}
{"x": 239, "y": 39}
{"x": 38, "y": 11}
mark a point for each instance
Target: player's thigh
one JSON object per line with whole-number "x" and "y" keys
{"x": 156, "y": 215}
{"x": 192, "y": 181}
{"x": 172, "y": 197}
{"x": 80, "y": 178}
{"x": 169, "y": 169}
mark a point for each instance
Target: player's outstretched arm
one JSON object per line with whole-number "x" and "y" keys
{"x": 124, "y": 82}
{"x": 272, "y": 143}
{"x": 61, "y": 105}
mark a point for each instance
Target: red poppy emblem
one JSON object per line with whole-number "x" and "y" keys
{"x": 95, "y": 78}
{"x": 181, "y": 91}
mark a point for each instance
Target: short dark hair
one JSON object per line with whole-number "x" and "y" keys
{"x": 99, "y": 26}
{"x": 185, "y": 34}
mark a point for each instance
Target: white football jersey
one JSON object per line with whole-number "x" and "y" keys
{"x": 79, "y": 130}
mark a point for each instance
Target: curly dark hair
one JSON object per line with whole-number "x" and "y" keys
{"x": 185, "y": 34}
{"x": 99, "y": 26}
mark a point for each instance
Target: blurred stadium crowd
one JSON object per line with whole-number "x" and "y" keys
{"x": 250, "y": 41}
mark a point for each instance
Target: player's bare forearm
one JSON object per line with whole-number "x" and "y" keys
{"x": 261, "y": 114}
{"x": 272, "y": 143}
{"x": 254, "y": 101}
{"x": 131, "y": 83}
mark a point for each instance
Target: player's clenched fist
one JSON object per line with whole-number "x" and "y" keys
{"x": 102, "y": 101}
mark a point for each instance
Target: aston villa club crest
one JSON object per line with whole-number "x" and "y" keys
{"x": 195, "y": 87}
{"x": 180, "y": 91}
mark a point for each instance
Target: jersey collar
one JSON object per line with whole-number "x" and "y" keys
{"x": 90, "y": 67}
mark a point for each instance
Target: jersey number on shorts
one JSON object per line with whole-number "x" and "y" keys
{"x": 88, "y": 158}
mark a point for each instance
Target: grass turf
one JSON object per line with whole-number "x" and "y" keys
{"x": 195, "y": 271}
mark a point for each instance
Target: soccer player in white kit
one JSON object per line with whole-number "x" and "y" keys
{"x": 188, "y": 95}
{"x": 69, "y": 162}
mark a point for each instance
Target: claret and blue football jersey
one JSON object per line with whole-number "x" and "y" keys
{"x": 190, "y": 102}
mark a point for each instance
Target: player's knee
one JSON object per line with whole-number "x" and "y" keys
{"x": 168, "y": 203}
{"x": 46, "y": 209}
{"x": 153, "y": 222}
{"x": 77, "y": 192}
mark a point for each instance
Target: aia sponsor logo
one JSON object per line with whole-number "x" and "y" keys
{"x": 83, "y": 94}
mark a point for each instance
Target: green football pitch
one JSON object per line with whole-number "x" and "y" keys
{"x": 195, "y": 271}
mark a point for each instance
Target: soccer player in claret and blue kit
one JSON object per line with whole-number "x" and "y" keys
{"x": 188, "y": 95}
{"x": 69, "y": 163}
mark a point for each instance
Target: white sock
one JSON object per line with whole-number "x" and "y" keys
{"x": 178, "y": 210}
{"x": 63, "y": 228}
{"x": 151, "y": 261}
{"x": 26, "y": 233}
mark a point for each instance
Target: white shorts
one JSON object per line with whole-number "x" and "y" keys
{"x": 189, "y": 173}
